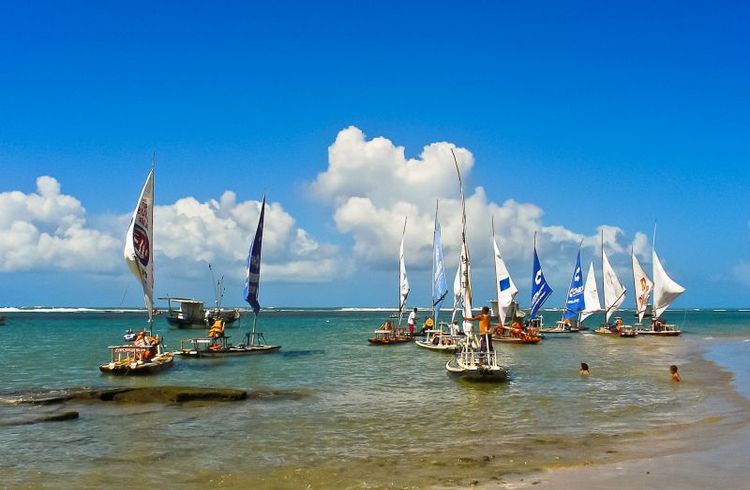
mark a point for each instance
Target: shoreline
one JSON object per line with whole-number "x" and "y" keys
{"x": 704, "y": 455}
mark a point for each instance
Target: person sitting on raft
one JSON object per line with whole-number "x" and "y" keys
{"x": 217, "y": 329}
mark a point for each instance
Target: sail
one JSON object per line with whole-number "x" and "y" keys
{"x": 252, "y": 277}
{"x": 403, "y": 281}
{"x": 439, "y": 283}
{"x": 643, "y": 288}
{"x": 465, "y": 281}
{"x": 456, "y": 291}
{"x": 506, "y": 289}
{"x": 139, "y": 243}
{"x": 540, "y": 290}
{"x": 665, "y": 289}
{"x": 614, "y": 291}
{"x": 575, "y": 302}
{"x": 590, "y": 295}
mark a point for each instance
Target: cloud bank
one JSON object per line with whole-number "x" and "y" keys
{"x": 372, "y": 188}
{"x": 48, "y": 230}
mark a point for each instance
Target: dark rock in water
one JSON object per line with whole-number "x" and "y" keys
{"x": 151, "y": 394}
{"x": 59, "y": 417}
{"x": 172, "y": 394}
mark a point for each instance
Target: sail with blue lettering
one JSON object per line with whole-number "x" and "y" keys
{"x": 439, "y": 283}
{"x": 575, "y": 302}
{"x": 540, "y": 290}
{"x": 252, "y": 278}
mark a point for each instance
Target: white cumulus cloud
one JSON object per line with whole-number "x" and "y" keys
{"x": 372, "y": 187}
{"x": 48, "y": 230}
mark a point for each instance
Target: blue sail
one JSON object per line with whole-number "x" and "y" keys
{"x": 540, "y": 290}
{"x": 252, "y": 278}
{"x": 439, "y": 283}
{"x": 574, "y": 304}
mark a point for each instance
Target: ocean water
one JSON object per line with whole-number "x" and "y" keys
{"x": 334, "y": 411}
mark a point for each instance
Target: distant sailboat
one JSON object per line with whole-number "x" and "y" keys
{"x": 540, "y": 292}
{"x": 506, "y": 291}
{"x": 145, "y": 355}
{"x": 642, "y": 288}
{"x": 217, "y": 344}
{"x": 436, "y": 338}
{"x": 590, "y": 296}
{"x": 574, "y": 303}
{"x": 614, "y": 295}
{"x": 387, "y": 333}
{"x": 469, "y": 362}
{"x": 666, "y": 290}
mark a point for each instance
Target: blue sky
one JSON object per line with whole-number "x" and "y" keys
{"x": 593, "y": 114}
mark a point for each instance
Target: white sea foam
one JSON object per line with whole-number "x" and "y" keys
{"x": 48, "y": 309}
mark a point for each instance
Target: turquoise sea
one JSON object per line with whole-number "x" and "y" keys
{"x": 330, "y": 410}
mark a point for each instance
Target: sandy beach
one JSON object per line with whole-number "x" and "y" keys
{"x": 711, "y": 455}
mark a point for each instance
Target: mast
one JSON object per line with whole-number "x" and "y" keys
{"x": 252, "y": 279}
{"x": 465, "y": 259}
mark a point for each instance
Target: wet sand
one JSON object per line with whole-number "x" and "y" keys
{"x": 709, "y": 455}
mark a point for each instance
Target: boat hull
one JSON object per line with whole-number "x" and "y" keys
{"x": 516, "y": 340}
{"x": 231, "y": 351}
{"x": 666, "y": 333}
{"x": 438, "y": 348}
{"x": 487, "y": 374}
{"x": 160, "y": 363}
{"x": 376, "y": 341}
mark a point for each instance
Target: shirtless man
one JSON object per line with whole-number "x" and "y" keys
{"x": 485, "y": 332}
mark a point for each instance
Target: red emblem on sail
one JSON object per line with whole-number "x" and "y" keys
{"x": 141, "y": 245}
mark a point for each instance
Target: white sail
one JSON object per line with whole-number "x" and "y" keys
{"x": 403, "y": 281}
{"x": 139, "y": 243}
{"x": 614, "y": 291}
{"x": 590, "y": 295}
{"x": 456, "y": 291}
{"x": 506, "y": 289}
{"x": 665, "y": 289}
{"x": 643, "y": 288}
{"x": 465, "y": 281}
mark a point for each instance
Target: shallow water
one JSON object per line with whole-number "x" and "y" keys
{"x": 346, "y": 413}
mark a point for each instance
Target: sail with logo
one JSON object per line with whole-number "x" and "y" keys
{"x": 574, "y": 303}
{"x": 145, "y": 355}
{"x": 506, "y": 291}
{"x": 666, "y": 290}
{"x": 505, "y": 287}
{"x": 540, "y": 290}
{"x": 642, "y": 287}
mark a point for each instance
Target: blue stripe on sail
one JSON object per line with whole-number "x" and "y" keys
{"x": 252, "y": 279}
